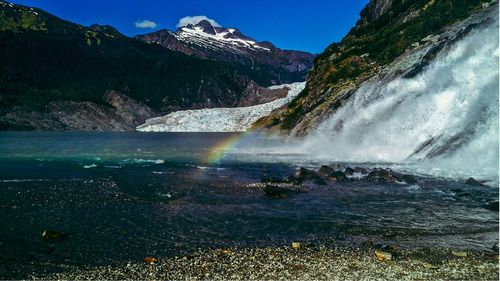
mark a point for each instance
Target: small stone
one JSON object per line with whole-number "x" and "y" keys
{"x": 459, "y": 254}
{"x": 151, "y": 260}
{"x": 430, "y": 266}
{"x": 382, "y": 256}
{"x": 296, "y": 245}
{"x": 52, "y": 235}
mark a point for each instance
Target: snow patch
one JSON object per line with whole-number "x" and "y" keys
{"x": 197, "y": 36}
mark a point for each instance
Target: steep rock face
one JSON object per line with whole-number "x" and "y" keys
{"x": 271, "y": 64}
{"x": 377, "y": 8}
{"x": 254, "y": 94}
{"x": 132, "y": 111}
{"x": 388, "y": 32}
{"x": 120, "y": 113}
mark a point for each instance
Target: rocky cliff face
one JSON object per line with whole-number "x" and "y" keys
{"x": 275, "y": 66}
{"x": 391, "y": 38}
{"x": 117, "y": 112}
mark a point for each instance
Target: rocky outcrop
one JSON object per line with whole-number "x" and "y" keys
{"x": 133, "y": 112}
{"x": 253, "y": 95}
{"x": 120, "y": 113}
{"x": 391, "y": 39}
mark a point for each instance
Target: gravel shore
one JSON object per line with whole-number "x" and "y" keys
{"x": 286, "y": 263}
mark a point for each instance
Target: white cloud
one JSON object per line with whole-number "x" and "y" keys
{"x": 194, "y": 20}
{"x": 146, "y": 24}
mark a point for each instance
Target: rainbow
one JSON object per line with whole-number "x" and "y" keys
{"x": 217, "y": 152}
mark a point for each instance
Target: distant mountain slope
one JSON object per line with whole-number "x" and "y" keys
{"x": 204, "y": 40}
{"x": 45, "y": 60}
{"x": 386, "y": 30}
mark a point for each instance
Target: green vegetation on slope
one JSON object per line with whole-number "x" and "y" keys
{"x": 373, "y": 43}
{"x": 44, "y": 59}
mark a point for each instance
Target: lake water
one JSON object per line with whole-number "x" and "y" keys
{"x": 126, "y": 196}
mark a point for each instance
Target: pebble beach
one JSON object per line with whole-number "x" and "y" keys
{"x": 304, "y": 263}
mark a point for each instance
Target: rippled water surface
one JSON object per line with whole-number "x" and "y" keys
{"x": 125, "y": 196}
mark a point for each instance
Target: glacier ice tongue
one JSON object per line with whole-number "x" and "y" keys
{"x": 238, "y": 119}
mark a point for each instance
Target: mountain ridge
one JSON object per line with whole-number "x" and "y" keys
{"x": 203, "y": 40}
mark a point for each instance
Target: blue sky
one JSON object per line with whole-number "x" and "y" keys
{"x": 290, "y": 24}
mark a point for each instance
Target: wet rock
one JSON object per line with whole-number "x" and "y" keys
{"x": 382, "y": 256}
{"x": 381, "y": 175}
{"x": 360, "y": 170}
{"x": 349, "y": 171}
{"x": 337, "y": 176}
{"x": 493, "y": 206}
{"x": 473, "y": 182}
{"x": 280, "y": 191}
{"x": 52, "y": 235}
{"x": 304, "y": 175}
{"x": 325, "y": 171}
{"x": 409, "y": 179}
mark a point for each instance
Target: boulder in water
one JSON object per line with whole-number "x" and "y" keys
{"x": 409, "y": 179}
{"x": 325, "y": 171}
{"x": 381, "y": 175}
{"x": 304, "y": 174}
{"x": 360, "y": 170}
{"x": 349, "y": 171}
{"x": 473, "y": 182}
{"x": 337, "y": 176}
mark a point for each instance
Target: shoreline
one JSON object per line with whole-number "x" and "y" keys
{"x": 306, "y": 262}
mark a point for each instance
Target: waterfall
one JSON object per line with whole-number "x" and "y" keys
{"x": 444, "y": 119}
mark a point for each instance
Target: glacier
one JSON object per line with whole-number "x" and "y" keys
{"x": 238, "y": 119}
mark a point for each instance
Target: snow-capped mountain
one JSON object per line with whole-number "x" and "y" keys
{"x": 237, "y": 119}
{"x": 205, "y": 40}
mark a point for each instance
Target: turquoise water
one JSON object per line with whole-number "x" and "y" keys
{"x": 124, "y": 196}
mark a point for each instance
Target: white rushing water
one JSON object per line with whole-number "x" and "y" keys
{"x": 443, "y": 120}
